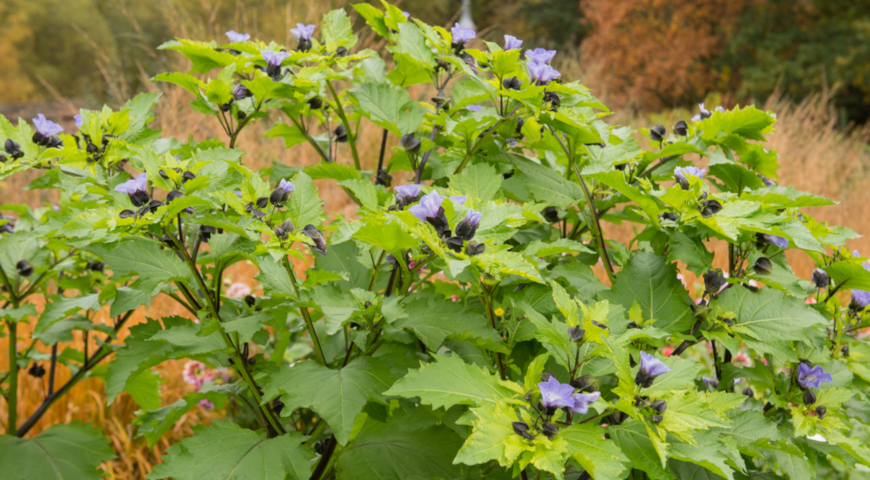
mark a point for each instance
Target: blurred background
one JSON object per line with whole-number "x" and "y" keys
{"x": 651, "y": 61}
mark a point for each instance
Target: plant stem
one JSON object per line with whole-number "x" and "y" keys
{"x": 309, "y": 324}
{"x": 311, "y": 140}
{"x": 419, "y": 174}
{"x": 12, "y": 394}
{"x": 599, "y": 235}
{"x": 324, "y": 460}
{"x": 351, "y": 138}
{"x": 52, "y": 368}
{"x": 381, "y": 156}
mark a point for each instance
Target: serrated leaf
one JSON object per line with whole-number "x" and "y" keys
{"x": 61, "y": 452}
{"x": 634, "y": 440}
{"x": 597, "y": 455}
{"x": 305, "y": 205}
{"x": 769, "y": 315}
{"x": 479, "y": 181}
{"x": 493, "y": 437}
{"x": 388, "y": 106}
{"x": 434, "y": 319}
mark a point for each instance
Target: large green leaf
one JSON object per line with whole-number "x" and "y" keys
{"x": 450, "y": 381}
{"x": 388, "y": 106}
{"x": 478, "y": 181}
{"x": 407, "y": 446}
{"x": 598, "y": 455}
{"x": 337, "y": 31}
{"x": 769, "y": 315}
{"x": 748, "y": 122}
{"x": 145, "y": 259}
{"x": 652, "y": 282}
{"x": 227, "y": 451}
{"x": 336, "y": 395}
{"x": 305, "y": 206}
{"x": 434, "y": 319}
{"x": 633, "y": 439}
{"x": 61, "y": 452}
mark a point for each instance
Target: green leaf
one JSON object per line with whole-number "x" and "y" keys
{"x": 548, "y": 186}
{"x": 305, "y": 206}
{"x": 61, "y": 308}
{"x": 344, "y": 257}
{"x": 61, "y": 452}
{"x": 682, "y": 375}
{"x": 336, "y": 395}
{"x": 226, "y": 450}
{"x": 137, "y": 355}
{"x": 748, "y": 122}
{"x": 290, "y": 133}
{"x": 634, "y": 440}
{"x": 387, "y": 236}
{"x": 362, "y": 192}
{"x": 388, "y": 106}
{"x": 143, "y": 258}
{"x": 449, "y": 381}
{"x": 769, "y": 315}
{"x": 554, "y": 336}
{"x": 434, "y": 319}
{"x": 406, "y": 446}
{"x": 539, "y": 248}
{"x": 479, "y": 181}
{"x": 335, "y": 171}
{"x": 493, "y": 437}
{"x": 337, "y": 31}
{"x": 274, "y": 278}
{"x": 183, "y": 80}
{"x": 688, "y": 410}
{"x": 145, "y": 390}
{"x": 691, "y": 251}
{"x": 849, "y": 274}
{"x": 597, "y": 455}
{"x": 203, "y": 55}
{"x": 411, "y": 46}
{"x": 652, "y": 282}
{"x": 155, "y": 422}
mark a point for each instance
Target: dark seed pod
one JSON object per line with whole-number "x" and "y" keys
{"x": 520, "y": 427}
{"x": 96, "y": 266}
{"x": 315, "y": 103}
{"x": 340, "y": 134}
{"x": 714, "y": 281}
{"x": 226, "y": 107}
{"x": 632, "y": 325}
{"x": 545, "y": 376}
{"x": 163, "y": 174}
{"x": 551, "y": 214}
{"x": 39, "y": 139}
{"x": 475, "y": 248}
{"x": 585, "y": 383}
{"x": 278, "y": 196}
{"x": 36, "y": 370}
{"x": 440, "y": 100}
{"x": 13, "y": 148}
{"x": 92, "y": 149}
{"x": 341, "y": 52}
{"x": 173, "y": 195}
{"x": 763, "y": 266}
{"x": 241, "y": 115}
{"x": 25, "y": 269}
{"x": 656, "y": 419}
{"x": 821, "y": 278}
{"x": 139, "y": 198}
{"x": 748, "y": 392}
{"x": 576, "y": 334}
{"x": 553, "y": 98}
{"x": 442, "y": 65}
{"x": 205, "y": 232}
{"x": 550, "y": 429}
{"x": 512, "y": 83}
{"x": 410, "y": 143}
{"x": 845, "y": 351}
{"x": 283, "y": 229}
{"x": 187, "y": 175}
{"x": 127, "y": 214}
{"x": 821, "y": 411}
{"x": 681, "y": 128}
{"x": 3, "y": 158}
{"x": 262, "y": 202}
{"x": 319, "y": 243}
{"x": 154, "y": 205}
{"x": 710, "y": 208}
{"x": 659, "y": 406}
{"x": 657, "y": 133}
{"x": 669, "y": 216}
{"x": 384, "y": 178}
{"x": 809, "y": 398}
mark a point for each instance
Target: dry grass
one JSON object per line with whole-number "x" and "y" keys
{"x": 816, "y": 156}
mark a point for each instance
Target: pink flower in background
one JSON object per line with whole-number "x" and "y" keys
{"x": 763, "y": 360}
{"x": 238, "y": 290}
{"x": 741, "y": 359}
{"x": 206, "y": 404}
{"x": 811, "y": 301}
{"x": 194, "y": 373}
{"x": 863, "y": 334}
{"x": 454, "y": 298}
{"x": 667, "y": 351}
{"x": 682, "y": 280}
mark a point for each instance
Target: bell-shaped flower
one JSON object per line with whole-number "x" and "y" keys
{"x": 302, "y": 31}
{"x": 78, "y": 118}
{"x": 135, "y": 189}
{"x": 468, "y": 226}
{"x": 45, "y": 126}
{"x": 473, "y": 108}
{"x": 701, "y": 116}
{"x": 462, "y": 35}
{"x": 240, "y": 92}
{"x": 582, "y": 401}
{"x": 555, "y": 394}
{"x": 860, "y": 299}
{"x": 780, "y": 242}
{"x": 543, "y": 73}
{"x": 681, "y": 172}
{"x": 812, "y": 377}
{"x": 458, "y": 199}
{"x": 512, "y": 43}
{"x": 274, "y": 58}
{"x": 540, "y": 56}
{"x": 236, "y": 37}
{"x": 407, "y": 193}
{"x": 429, "y": 206}
{"x": 652, "y": 366}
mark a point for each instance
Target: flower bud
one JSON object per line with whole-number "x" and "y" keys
{"x": 341, "y": 52}
{"x": 454, "y": 243}
{"x": 262, "y": 202}
{"x": 763, "y": 266}
{"x": 25, "y": 269}
{"x": 714, "y": 281}
{"x": 278, "y": 196}
{"x": 315, "y": 103}
{"x": 127, "y": 214}
{"x": 319, "y": 243}
{"x": 36, "y": 370}
{"x": 340, "y": 134}
{"x": 710, "y": 208}
{"x": 845, "y": 351}
{"x": 681, "y": 129}
{"x": 92, "y": 149}
{"x": 440, "y": 100}
{"x": 139, "y": 198}
{"x": 283, "y": 229}
{"x": 668, "y": 216}
{"x": 657, "y": 133}
{"x": 821, "y": 411}
{"x": 551, "y": 214}
{"x": 205, "y": 232}
{"x": 553, "y": 99}
{"x": 241, "y": 115}
{"x": 550, "y": 429}
{"x": 809, "y": 398}
{"x": 545, "y": 376}
{"x": 163, "y": 174}
{"x": 155, "y": 204}
{"x": 2, "y": 158}
{"x": 96, "y": 266}
{"x": 187, "y": 175}
{"x": 383, "y": 178}
{"x": 250, "y": 300}
{"x": 659, "y": 406}
{"x": 585, "y": 383}
{"x": 821, "y": 278}
{"x": 576, "y": 334}
{"x": 520, "y": 427}
{"x": 54, "y": 142}
{"x": 512, "y": 83}
{"x": 475, "y": 248}
{"x": 39, "y": 139}
{"x": 656, "y": 419}
{"x": 748, "y": 392}
{"x": 410, "y": 143}
{"x": 13, "y": 149}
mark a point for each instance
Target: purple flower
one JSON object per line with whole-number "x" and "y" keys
{"x": 780, "y": 242}
{"x": 406, "y": 14}
{"x": 543, "y": 73}
{"x": 46, "y": 127}
{"x": 407, "y": 193}
{"x": 681, "y": 172}
{"x": 701, "y": 116}
{"x": 473, "y": 218}
{"x": 812, "y": 377}
{"x": 236, "y": 37}
{"x": 540, "y": 56}
{"x": 460, "y": 199}
{"x": 582, "y": 401}
{"x": 206, "y": 404}
{"x": 652, "y": 366}
{"x": 860, "y": 298}
{"x": 274, "y": 58}
{"x": 555, "y": 394}
{"x": 78, "y": 119}
{"x": 513, "y": 43}
{"x": 9, "y": 225}
{"x": 286, "y": 186}
{"x": 130, "y": 187}
{"x": 240, "y": 92}
{"x": 474, "y": 108}
{"x": 711, "y": 382}
{"x": 461, "y": 35}
{"x": 303, "y": 32}
{"x": 766, "y": 181}
{"x": 238, "y": 193}
{"x": 429, "y": 207}
{"x": 468, "y": 226}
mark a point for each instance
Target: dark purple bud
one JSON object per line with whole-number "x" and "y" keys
{"x": 821, "y": 411}
{"x": 96, "y": 266}
{"x": 475, "y": 248}
{"x": 668, "y": 216}
{"x": 659, "y": 406}
{"x": 551, "y": 214}
{"x": 2, "y": 158}
{"x": 554, "y": 99}
{"x": 710, "y": 208}
{"x": 632, "y": 325}
{"x": 410, "y": 143}
{"x": 520, "y": 427}
{"x": 153, "y": 205}
{"x": 441, "y": 100}
{"x": 657, "y": 133}
{"x": 315, "y": 103}
{"x": 748, "y": 392}
{"x": 25, "y": 269}
{"x": 656, "y": 419}
{"x": 714, "y": 281}
{"x": 262, "y": 202}
{"x": 92, "y": 149}
{"x": 319, "y": 243}
{"x": 205, "y": 232}
{"x": 13, "y": 148}
{"x": 36, "y": 370}
{"x": 774, "y": 240}
{"x": 7, "y": 224}
{"x": 241, "y": 92}
{"x": 545, "y": 376}
{"x": 241, "y": 115}
{"x": 845, "y": 351}
{"x": 512, "y": 83}
{"x": 54, "y": 142}
{"x": 681, "y": 129}
{"x": 340, "y": 134}
{"x": 550, "y": 429}
{"x": 39, "y": 139}
{"x": 127, "y": 214}
{"x": 576, "y": 334}
{"x": 454, "y": 243}
{"x": 187, "y": 175}
{"x": 468, "y": 226}
{"x": 763, "y": 266}
{"x": 341, "y": 52}
{"x": 283, "y": 229}
{"x": 809, "y": 398}
{"x": 383, "y": 178}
